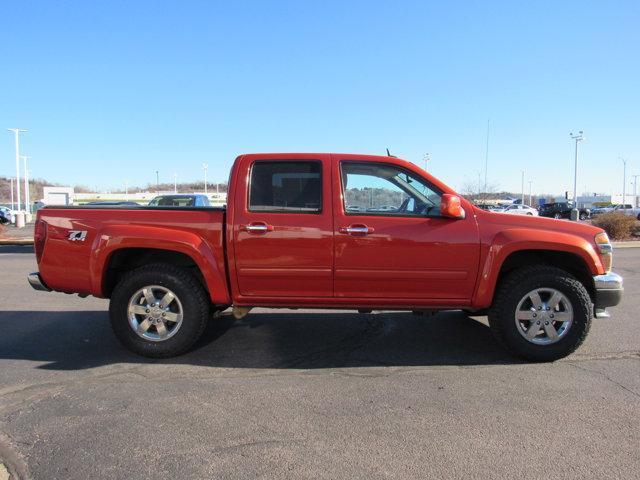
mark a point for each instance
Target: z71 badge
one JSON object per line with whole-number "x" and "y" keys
{"x": 77, "y": 235}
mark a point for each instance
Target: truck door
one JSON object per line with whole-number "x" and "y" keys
{"x": 283, "y": 227}
{"x": 391, "y": 243}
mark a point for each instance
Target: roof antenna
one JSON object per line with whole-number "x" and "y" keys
{"x": 389, "y": 154}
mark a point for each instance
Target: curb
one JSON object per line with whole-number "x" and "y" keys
{"x": 16, "y": 241}
{"x": 634, "y": 244}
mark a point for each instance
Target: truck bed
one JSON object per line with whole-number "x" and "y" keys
{"x": 79, "y": 239}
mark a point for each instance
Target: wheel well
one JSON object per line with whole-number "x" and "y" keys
{"x": 127, "y": 259}
{"x": 569, "y": 262}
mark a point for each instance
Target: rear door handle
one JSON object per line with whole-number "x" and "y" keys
{"x": 257, "y": 227}
{"x": 356, "y": 230}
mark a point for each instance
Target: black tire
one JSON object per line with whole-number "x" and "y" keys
{"x": 583, "y": 216}
{"x": 522, "y": 281}
{"x": 192, "y": 296}
{"x": 557, "y": 216}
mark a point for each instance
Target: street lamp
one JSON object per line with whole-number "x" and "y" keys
{"x": 157, "y": 182}
{"x": 27, "y": 199}
{"x": 530, "y": 192}
{"x": 16, "y": 132}
{"x": 205, "y": 166}
{"x": 578, "y": 138}
{"x": 486, "y": 160}
{"x": 522, "y": 191}
{"x": 624, "y": 180}
{"x": 426, "y": 157}
{"x": 635, "y": 194}
{"x": 175, "y": 183}
{"x": 13, "y": 205}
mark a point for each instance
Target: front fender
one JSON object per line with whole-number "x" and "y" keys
{"x": 117, "y": 237}
{"x": 513, "y": 240}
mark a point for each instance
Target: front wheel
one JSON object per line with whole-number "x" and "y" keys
{"x": 159, "y": 310}
{"x": 540, "y": 313}
{"x": 583, "y": 216}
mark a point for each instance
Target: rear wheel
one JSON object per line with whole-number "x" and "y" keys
{"x": 541, "y": 313}
{"x": 159, "y": 310}
{"x": 583, "y": 216}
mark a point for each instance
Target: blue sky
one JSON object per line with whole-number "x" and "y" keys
{"x": 112, "y": 91}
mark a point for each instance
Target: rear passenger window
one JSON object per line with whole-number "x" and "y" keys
{"x": 294, "y": 186}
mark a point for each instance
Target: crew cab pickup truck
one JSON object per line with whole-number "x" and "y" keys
{"x": 334, "y": 231}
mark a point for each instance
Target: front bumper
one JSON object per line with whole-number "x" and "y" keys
{"x": 36, "y": 282}
{"x": 608, "y": 288}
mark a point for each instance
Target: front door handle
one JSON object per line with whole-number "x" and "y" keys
{"x": 257, "y": 227}
{"x": 358, "y": 229}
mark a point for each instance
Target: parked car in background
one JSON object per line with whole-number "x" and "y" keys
{"x": 627, "y": 209}
{"x": 195, "y": 200}
{"x": 355, "y": 208}
{"x": 490, "y": 207}
{"x": 8, "y": 215}
{"x": 600, "y": 210}
{"x": 4, "y": 218}
{"x": 520, "y": 210}
{"x": 562, "y": 210}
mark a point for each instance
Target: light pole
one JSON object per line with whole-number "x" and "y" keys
{"x": 175, "y": 183}
{"x": 205, "y": 166}
{"x": 126, "y": 189}
{"x": 27, "y": 199}
{"x": 635, "y": 194}
{"x": 426, "y": 157}
{"x": 522, "y": 197}
{"x": 157, "y": 182}
{"x": 578, "y": 138}
{"x": 486, "y": 160}
{"x": 16, "y": 132}
{"x": 529, "y": 192}
{"x": 624, "y": 180}
{"x": 13, "y": 205}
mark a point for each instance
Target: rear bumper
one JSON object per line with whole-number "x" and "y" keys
{"x": 36, "y": 282}
{"x": 608, "y": 288}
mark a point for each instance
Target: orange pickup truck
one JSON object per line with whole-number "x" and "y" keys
{"x": 335, "y": 231}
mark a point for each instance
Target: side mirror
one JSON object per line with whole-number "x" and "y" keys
{"x": 450, "y": 206}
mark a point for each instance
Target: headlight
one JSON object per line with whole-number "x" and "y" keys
{"x": 606, "y": 250}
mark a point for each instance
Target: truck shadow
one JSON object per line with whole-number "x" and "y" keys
{"x": 275, "y": 339}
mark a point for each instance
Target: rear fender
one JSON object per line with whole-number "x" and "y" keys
{"x": 113, "y": 238}
{"x": 517, "y": 239}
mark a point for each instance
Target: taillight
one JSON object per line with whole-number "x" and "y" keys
{"x": 39, "y": 237}
{"x": 606, "y": 251}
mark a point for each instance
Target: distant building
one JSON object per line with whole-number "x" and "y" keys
{"x": 57, "y": 195}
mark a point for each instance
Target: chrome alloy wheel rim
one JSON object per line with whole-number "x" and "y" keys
{"x": 155, "y": 313}
{"x": 544, "y": 316}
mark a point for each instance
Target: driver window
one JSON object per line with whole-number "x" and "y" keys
{"x": 382, "y": 189}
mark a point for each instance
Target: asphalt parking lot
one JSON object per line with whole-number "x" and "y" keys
{"x": 304, "y": 394}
